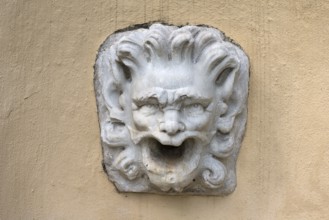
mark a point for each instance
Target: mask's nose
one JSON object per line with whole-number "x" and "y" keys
{"x": 171, "y": 123}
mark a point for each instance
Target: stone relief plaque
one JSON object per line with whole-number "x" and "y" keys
{"x": 172, "y": 109}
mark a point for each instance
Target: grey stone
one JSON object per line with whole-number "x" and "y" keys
{"x": 172, "y": 109}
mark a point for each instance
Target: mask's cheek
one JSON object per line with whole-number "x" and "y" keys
{"x": 146, "y": 122}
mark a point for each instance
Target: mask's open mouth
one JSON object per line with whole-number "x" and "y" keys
{"x": 167, "y": 152}
{"x": 171, "y": 166}
{"x": 169, "y": 155}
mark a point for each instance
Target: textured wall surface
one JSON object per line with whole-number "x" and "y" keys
{"x": 50, "y": 153}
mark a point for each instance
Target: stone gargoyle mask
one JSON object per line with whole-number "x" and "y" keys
{"x": 172, "y": 109}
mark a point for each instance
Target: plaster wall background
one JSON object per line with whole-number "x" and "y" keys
{"x": 50, "y": 153}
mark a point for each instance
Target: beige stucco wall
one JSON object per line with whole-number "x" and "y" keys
{"x": 50, "y": 153}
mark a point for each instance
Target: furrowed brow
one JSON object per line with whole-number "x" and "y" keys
{"x": 186, "y": 95}
{"x": 156, "y": 95}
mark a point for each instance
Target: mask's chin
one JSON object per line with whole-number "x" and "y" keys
{"x": 168, "y": 166}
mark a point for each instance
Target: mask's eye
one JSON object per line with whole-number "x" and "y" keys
{"x": 193, "y": 109}
{"x": 149, "y": 108}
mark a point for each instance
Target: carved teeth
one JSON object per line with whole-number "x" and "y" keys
{"x": 171, "y": 142}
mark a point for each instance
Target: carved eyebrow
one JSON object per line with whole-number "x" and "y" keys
{"x": 155, "y": 94}
{"x": 187, "y": 95}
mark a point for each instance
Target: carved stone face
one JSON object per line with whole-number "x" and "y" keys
{"x": 172, "y": 120}
{"x": 172, "y": 109}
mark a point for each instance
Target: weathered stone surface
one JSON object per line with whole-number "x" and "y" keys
{"x": 172, "y": 109}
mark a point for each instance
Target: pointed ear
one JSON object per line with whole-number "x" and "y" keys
{"x": 111, "y": 94}
{"x": 225, "y": 82}
{"x": 111, "y": 84}
{"x": 232, "y": 82}
{"x": 223, "y": 71}
{"x": 130, "y": 53}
